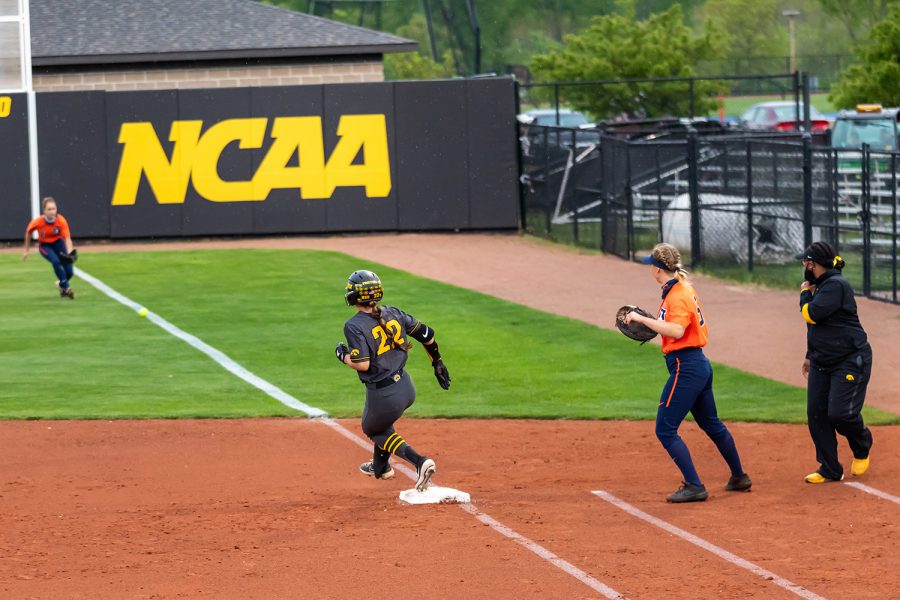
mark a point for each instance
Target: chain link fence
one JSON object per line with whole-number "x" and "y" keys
{"x": 738, "y": 206}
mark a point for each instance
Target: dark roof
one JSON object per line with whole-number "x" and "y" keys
{"x": 69, "y": 32}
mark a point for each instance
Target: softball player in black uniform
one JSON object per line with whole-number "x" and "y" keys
{"x": 377, "y": 348}
{"x": 838, "y": 364}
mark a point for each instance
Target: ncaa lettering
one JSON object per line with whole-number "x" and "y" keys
{"x": 195, "y": 158}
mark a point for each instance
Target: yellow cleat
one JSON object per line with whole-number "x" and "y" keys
{"x": 819, "y": 478}
{"x": 859, "y": 466}
{"x": 815, "y": 478}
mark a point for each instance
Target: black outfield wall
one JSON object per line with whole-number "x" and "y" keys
{"x": 404, "y": 156}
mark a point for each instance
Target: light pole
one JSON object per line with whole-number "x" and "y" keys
{"x": 792, "y": 14}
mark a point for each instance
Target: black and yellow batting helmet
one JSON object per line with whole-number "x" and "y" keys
{"x": 363, "y": 286}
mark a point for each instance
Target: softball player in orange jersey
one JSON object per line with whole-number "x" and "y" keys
{"x": 684, "y": 332}
{"x": 54, "y": 244}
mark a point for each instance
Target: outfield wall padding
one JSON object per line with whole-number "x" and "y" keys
{"x": 15, "y": 199}
{"x": 418, "y": 155}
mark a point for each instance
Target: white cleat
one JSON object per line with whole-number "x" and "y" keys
{"x": 426, "y": 470}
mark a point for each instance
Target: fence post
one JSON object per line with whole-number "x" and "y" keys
{"x": 556, "y": 101}
{"x": 629, "y": 203}
{"x": 807, "y": 189}
{"x": 694, "y": 193}
{"x": 866, "y": 221}
{"x": 659, "y": 202}
{"x": 894, "y": 225}
{"x": 693, "y": 106}
{"x": 796, "y": 85}
{"x": 806, "y": 108}
{"x": 520, "y": 168}
{"x": 749, "y": 206}
{"x": 548, "y": 199}
{"x": 572, "y": 202}
{"x": 602, "y": 147}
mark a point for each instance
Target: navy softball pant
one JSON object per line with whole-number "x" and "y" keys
{"x": 64, "y": 271}
{"x": 689, "y": 390}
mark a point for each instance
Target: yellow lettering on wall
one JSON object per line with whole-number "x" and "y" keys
{"x": 5, "y": 106}
{"x": 303, "y": 135}
{"x": 195, "y": 158}
{"x": 369, "y": 134}
{"x": 249, "y": 133}
{"x": 144, "y": 154}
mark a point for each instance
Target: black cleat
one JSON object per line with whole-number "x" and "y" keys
{"x": 688, "y": 492}
{"x": 426, "y": 470}
{"x": 738, "y": 483}
{"x": 369, "y": 469}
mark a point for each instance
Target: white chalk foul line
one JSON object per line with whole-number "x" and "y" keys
{"x": 224, "y": 361}
{"x": 720, "y": 552}
{"x": 875, "y": 492}
{"x": 311, "y": 411}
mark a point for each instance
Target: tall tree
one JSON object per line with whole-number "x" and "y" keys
{"x": 752, "y": 29}
{"x": 615, "y": 47}
{"x": 877, "y": 76}
{"x": 858, "y": 16}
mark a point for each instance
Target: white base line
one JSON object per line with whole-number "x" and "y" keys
{"x": 720, "y": 552}
{"x": 321, "y": 417}
{"x": 220, "y": 357}
{"x": 870, "y": 490}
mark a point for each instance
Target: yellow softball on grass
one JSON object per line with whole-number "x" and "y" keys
{"x": 142, "y": 312}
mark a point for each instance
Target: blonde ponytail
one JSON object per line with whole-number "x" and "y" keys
{"x": 669, "y": 255}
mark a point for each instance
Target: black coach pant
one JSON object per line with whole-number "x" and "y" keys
{"x": 834, "y": 399}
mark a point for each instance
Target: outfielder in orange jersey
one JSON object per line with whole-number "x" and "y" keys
{"x": 684, "y": 332}
{"x": 54, "y": 244}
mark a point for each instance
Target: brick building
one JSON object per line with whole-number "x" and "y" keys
{"x": 166, "y": 44}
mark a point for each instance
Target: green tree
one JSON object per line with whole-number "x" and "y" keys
{"x": 877, "y": 76}
{"x": 858, "y": 16}
{"x": 752, "y": 29}
{"x": 412, "y": 65}
{"x": 615, "y": 47}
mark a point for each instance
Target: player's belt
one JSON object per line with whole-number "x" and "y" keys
{"x": 389, "y": 380}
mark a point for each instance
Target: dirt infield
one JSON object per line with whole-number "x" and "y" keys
{"x": 276, "y": 509}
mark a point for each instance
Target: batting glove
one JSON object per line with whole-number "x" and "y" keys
{"x": 441, "y": 374}
{"x": 341, "y": 351}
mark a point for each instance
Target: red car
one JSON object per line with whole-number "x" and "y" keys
{"x": 782, "y": 116}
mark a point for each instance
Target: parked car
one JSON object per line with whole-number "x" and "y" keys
{"x": 541, "y": 124}
{"x": 548, "y": 116}
{"x": 868, "y": 124}
{"x": 782, "y": 116}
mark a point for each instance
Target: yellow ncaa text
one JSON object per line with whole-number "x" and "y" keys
{"x": 195, "y": 158}
{"x": 5, "y": 106}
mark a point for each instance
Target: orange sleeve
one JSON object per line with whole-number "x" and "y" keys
{"x": 32, "y": 225}
{"x": 680, "y": 310}
{"x": 63, "y": 227}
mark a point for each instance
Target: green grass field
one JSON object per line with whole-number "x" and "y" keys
{"x": 279, "y": 313}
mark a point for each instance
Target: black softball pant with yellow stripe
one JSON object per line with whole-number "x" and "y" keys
{"x": 835, "y": 397}
{"x": 384, "y": 407}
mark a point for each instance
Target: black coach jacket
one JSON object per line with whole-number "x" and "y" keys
{"x": 833, "y": 330}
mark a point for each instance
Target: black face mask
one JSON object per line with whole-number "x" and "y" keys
{"x": 809, "y": 275}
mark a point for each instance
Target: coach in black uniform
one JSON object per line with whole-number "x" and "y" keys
{"x": 838, "y": 364}
{"x": 377, "y": 348}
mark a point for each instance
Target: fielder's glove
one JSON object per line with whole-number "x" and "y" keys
{"x": 635, "y": 330}
{"x": 341, "y": 351}
{"x": 441, "y": 373}
{"x": 70, "y": 257}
